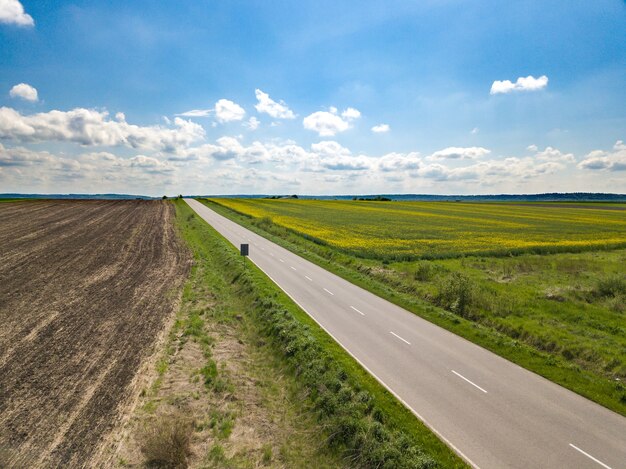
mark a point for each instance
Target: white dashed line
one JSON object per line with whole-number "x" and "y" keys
{"x": 473, "y": 384}
{"x": 293, "y": 268}
{"x": 403, "y": 340}
{"x": 590, "y": 456}
{"x": 308, "y": 278}
{"x": 329, "y": 292}
{"x": 281, "y": 260}
{"x": 362, "y": 314}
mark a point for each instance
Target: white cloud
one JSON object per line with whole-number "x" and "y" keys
{"x": 606, "y": 160}
{"x": 12, "y": 12}
{"x": 459, "y": 153}
{"x": 332, "y": 155}
{"x": 227, "y": 111}
{"x": 351, "y": 114}
{"x": 24, "y": 91}
{"x": 492, "y": 171}
{"x": 532, "y": 148}
{"x": 399, "y": 162}
{"x": 94, "y": 128}
{"x": 552, "y": 154}
{"x": 528, "y": 83}
{"x": 475, "y": 130}
{"x": 22, "y": 157}
{"x": 328, "y": 123}
{"x": 196, "y": 113}
{"x": 268, "y": 106}
{"x": 253, "y": 123}
{"x": 343, "y": 163}
{"x": 380, "y": 128}
{"x": 150, "y": 164}
{"x": 27, "y": 169}
{"x": 439, "y": 172}
{"x": 329, "y": 148}
{"x": 229, "y": 147}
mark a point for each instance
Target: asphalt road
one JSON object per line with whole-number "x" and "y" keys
{"x": 492, "y": 412}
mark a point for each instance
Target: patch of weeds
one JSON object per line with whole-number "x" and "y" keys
{"x": 617, "y": 303}
{"x": 209, "y": 373}
{"x": 212, "y": 379}
{"x": 194, "y": 326}
{"x": 611, "y": 286}
{"x": 457, "y": 293}
{"x": 165, "y": 441}
{"x": 424, "y": 271}
{"x": 225, "y": 427}
{"x": 150, "y": 406}
{"x": 266, "y": 452}
{"x": 162, "y": 365}
{"x": 217, "y": 456}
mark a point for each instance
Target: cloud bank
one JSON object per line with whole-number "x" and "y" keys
{"x": 178, "y": 154}
{"x": 89, "y": 127}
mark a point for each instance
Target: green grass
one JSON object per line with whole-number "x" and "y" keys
{"x": 362, "y": 422}
{"x": 561, "y": 315}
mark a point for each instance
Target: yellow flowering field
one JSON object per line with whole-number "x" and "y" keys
{"x": 410, "y": 230}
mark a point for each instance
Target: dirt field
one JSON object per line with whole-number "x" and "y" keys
{"x": 86, "y": 288}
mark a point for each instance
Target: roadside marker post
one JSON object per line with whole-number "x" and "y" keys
{"x": 245, "y": 250}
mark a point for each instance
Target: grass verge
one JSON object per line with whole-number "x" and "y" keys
{"x": 220, "y": 395}
{"x": 361, "y": 422}
{"x": 608, "y": 392}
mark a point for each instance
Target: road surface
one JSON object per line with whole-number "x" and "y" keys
{"x": 492, "y": 412}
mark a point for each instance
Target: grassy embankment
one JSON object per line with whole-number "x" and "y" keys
{"x": 560, "y": 315}
{"x": 323, "y": 409}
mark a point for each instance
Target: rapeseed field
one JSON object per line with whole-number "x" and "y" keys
{"x": 413, "y": 230}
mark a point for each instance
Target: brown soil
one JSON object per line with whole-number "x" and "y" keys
{"x": 86, "y": 289}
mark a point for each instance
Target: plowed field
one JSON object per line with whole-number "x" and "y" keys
{"x": 86, "y": 288}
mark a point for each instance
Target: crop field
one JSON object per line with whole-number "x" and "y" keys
{"x": 87, "y": 288}
{"x": 556, "y": 308}
{"x": 412, "y": 230}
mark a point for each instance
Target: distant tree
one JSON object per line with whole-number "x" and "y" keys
{"x": 164, "y": 197}
{"x": 378, "y": 198}
{"x": 180, "y": 196}
{"x": 294, "y": 196}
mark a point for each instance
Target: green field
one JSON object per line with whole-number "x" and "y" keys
{"x": 411, "y": 230}
{"x": 559, "y": 310}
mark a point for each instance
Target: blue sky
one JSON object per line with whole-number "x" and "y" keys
{"x": 467, "y": 96}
